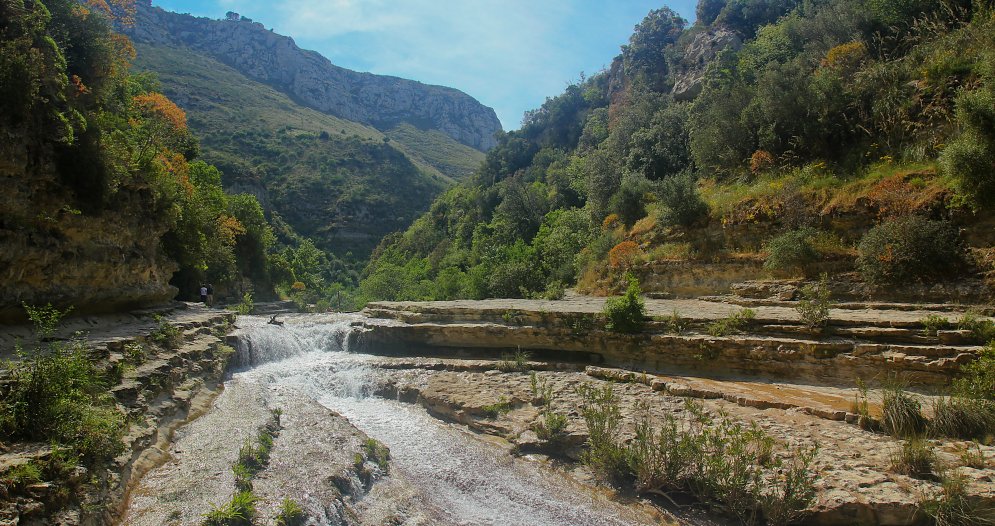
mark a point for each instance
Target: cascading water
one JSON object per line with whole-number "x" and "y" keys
{"x": 459, "y": 478}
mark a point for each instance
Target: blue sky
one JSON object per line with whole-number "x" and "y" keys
{"x": 508, "y": 54}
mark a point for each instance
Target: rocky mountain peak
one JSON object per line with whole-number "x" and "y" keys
{"x": 311, "y": 79}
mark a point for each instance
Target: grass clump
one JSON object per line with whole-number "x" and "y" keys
{"x": 960, "y": 417}
{"x": 254, "y": 457}
{"x": 542, "y": 391}
{"x": 492, "y": 411}
{"x": 813, "y": 307}
{"x": 915, "y": 458}
{"x": 953, "y": 507}
{"x": 675, "y": 324}
{"x": 239, "y": 511}
{"x": 736, "y": 323}
{"x": 290, "y": 514}
{"x": 552, "y": 426}
{"x": 933, "y": 323}
{"x": 518, "y": 362}
{"x": 902, "y": 412}
{"x": 626, "y": 313}
{"x": 164, "y": 334}
{"x": 910, "y": 249}
{"x": 973, "y": 457}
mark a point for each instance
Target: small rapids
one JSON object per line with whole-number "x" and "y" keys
{"x": 458, "y": 476}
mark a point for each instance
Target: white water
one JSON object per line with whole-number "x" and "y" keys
{"x": 459, "y": 476}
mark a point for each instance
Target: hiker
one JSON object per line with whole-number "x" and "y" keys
{"x": 210, "y": 295}
{"x": 203, "y": 294}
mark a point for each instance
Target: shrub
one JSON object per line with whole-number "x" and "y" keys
{"x": 517, "y": 362}
{"x": 246, "y": 305}
{"x": 791, "y": 251}
{"x": 977, "y": 379}
{"x": 738, "y": 322}
{"x": 902, "y": 412}
{"x": 290, "y": 514}
{"x": 982, "y": 331}
{"x": 542, "y": 391}
{"x": 61, "y": 396}
{"x": 552, "y": 426}
{"x": 627, "y": 313}
{"x": 675, "y": 324}
{"x": 45, "y": 319}
{"x": 496, "y": 409}
{"x": 239, "y": 511}
{"x": 915, "y": 458}
{"x": 681, "y": 202}
{"x": 623, "y": 254}
{"x": 933, "y": 323}
{"x": 813, "y": 307}
{"x": 761, "y": 161}
{"x": 910, "y": 249}
{"x": 604, "y": 454}
{"x": 164, "y": 334}
{"x": 724, "y": 462}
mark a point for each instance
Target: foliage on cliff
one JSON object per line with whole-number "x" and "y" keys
{"x": 874, "y": 108}
{"x": 102, "y": 172}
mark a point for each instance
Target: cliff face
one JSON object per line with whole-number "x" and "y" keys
{"x": 267, "y": 57}
{"x": 52, "y": 252}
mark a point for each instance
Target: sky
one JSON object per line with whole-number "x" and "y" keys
{"x": 508, "y": 54}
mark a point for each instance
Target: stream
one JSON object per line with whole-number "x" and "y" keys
{"x": 458, "y": 477}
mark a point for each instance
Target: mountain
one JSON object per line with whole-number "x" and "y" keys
{"x": 320, "y": 163}
{"x": 310, "y": 79}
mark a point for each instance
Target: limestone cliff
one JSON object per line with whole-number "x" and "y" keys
{"x": 308, "y": 77}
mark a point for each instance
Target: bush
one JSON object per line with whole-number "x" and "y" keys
{"x": 681, "y": 202}
{"x": 791, "y": 251}
{"x": 910, "y": 249}
{"x": 813, "y": 307}
{"x": 738, "y": 322}
{"x": 604, "y": 454}
{"x": 378, "y": 453}
{"x": 626, "y": 314}
{"x": 982, "y": 331}
{"x": 915, "y": 458}
{"x": 61, "y": 396}
{"x": 496, "y": 409}
{"x": 934, "y": 323}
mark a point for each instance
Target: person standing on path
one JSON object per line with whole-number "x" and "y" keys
{"x": 210, "y": 295}
{"x": 203, "y": 294}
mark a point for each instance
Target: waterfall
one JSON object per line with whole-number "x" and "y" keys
{"x": 258, "y": 342}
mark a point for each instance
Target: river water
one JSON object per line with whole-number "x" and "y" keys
{"x": 459, "y": 477}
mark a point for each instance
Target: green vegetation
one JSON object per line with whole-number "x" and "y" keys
{"x": 627, "y": 313}
{"x": 983, "y": 331}
{"x": 239, "y": 511}
{"x": 717, "y": 460}
{"x": 165, "y": 334}
{"x": 735, "y": 323}
{"x": 518, "y": 362}
{"x": 495, "y": 410}
{"x": 837, "y": 108}
{"x": 377, "y": 453}
{"x": 915, "y": 458}
{"x": 953, "y": 507}
{"x": 902, "y": 412}
{"x": 934, "y": 323}
{"x": 814, "y": 304}
{"x": 291, "y": 514}
{"x": 791, "y": 250}
{"x": 57, "y": 394}
{"x": 910, "y": 249}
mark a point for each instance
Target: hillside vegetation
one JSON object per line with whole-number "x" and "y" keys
{"x": 849, "y": 136}
{"x": 344, "y": 184}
